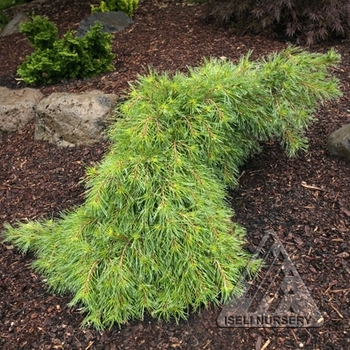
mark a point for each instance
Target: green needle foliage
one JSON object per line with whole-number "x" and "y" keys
{"x": 155, "y": 232}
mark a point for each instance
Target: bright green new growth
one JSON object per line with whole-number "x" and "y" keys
{"x": 127, "y": 6}
{"x": 41, "y": 32}
{"x": 68, "y": 58}
{"x": 155, "y": 233}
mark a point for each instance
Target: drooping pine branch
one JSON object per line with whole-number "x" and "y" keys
{"x": 155, "y": 232}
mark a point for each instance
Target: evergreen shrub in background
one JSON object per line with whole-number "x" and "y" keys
{"x": 301, "y": 21}
{"x": 3, "y": 20}
{"x": 4, "y": 4}
{"x": 71, "y": 57}
{"x": 40, "y": 32}
{"x": 155, "y": 232}
{"x": 127, "y": 6}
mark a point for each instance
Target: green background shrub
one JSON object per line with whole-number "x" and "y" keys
{"x": 155, "y": 232}
{"x": 4, "y": 4}
{"x": 127, "y": 6}
{"x": 3, "y": 20}
{"x": 71, "y": 57}
{"x": 40, "y": 32}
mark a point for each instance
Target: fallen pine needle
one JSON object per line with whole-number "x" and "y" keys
{"x": 266, "y": 344}
{"x": 311, "y": 187}
{"x": 339, "y": 290}
{"x": 337, "y": 311}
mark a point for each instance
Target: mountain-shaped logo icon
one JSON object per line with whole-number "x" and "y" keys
{"x": 277, "y": 297}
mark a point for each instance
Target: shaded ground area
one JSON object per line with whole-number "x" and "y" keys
{"x": 305, "y": 200}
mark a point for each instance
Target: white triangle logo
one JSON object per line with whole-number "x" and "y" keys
{"x": 276, "y": 298}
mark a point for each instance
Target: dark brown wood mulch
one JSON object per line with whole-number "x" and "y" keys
{"x": 305, "y": 200}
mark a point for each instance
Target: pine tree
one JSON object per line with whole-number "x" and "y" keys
{"x": 155, "y": 232}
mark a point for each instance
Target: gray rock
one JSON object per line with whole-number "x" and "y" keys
{"x": 69, "y": 120}
{"x": 113, "y": 21}
{"x": 339, "y": 142}
{"x": 17, "y": 107}
{"x": 14, "y": 26}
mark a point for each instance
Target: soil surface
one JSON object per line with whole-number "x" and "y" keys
{"x": 305, "y": 200}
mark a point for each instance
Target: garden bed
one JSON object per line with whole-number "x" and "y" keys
{"x": 305, "y": 200}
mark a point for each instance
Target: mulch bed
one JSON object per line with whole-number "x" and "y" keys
{"x": 305, "y": 200}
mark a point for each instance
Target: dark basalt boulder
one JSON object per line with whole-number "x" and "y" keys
{"x": 13, "y": 26}
{"x": 113, "y": 21}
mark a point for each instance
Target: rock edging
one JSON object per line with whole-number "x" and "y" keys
{"x": 64, "y": 119}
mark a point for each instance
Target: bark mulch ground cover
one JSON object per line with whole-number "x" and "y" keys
{"x": 305, "y": 200}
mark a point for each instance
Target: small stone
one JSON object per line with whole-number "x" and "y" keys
{"x": 338, "y": 142}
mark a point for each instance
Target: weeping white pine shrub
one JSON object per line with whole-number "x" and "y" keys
{"x": 155, "y": 232}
